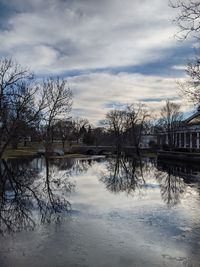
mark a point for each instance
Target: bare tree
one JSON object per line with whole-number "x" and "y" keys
{"x": 65, "y": 130}
{"x": 79, "y": 125}
{"x": 136, "y": 117}
{"x": 58, "y": 102}
{"x": 190, "y": 89}
{"x": 188, "y": 18}
{"x": 100, "y": 136}
{"x": 116, "y": 122}
{"x": 127, "y": 125}
{"x": 170, "y": 119}
{"x": 17, "y": 101}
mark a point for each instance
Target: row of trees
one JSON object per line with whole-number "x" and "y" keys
{"x": 127, "y": 125}
{"x": 41, "y": 110}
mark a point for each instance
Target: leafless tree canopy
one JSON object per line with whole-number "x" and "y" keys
{"x": 116, "y": 122}
{"x": 170, "y": 119}
{"x": 79, "y": 124}
{"x": 24, "y": 102}
{"x": 128, "y": 124}
{"x": 16, "y": 99}
{"x": 58, "y": 103}
{"x": 136, "y": 118}
{"x": 191, "y": 88}
{"x": 170, "y": 115}
{"x": 58, "y": 99}
{"x": 188, "y": 18}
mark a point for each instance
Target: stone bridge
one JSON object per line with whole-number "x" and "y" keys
{"x": 101, "y": 150}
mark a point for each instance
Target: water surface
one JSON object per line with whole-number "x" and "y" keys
{"x": 99, "y": 212}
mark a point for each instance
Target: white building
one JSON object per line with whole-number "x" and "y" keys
{"x": 186, "y": 136}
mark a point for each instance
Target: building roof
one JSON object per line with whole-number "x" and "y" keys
{"x": 194, "y": 119}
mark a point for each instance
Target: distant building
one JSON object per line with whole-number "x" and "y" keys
{"x": 146, "y": 141}
{"x": 186, "y": 136}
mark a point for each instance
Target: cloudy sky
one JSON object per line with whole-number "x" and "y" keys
{"x": 112, "y": 52}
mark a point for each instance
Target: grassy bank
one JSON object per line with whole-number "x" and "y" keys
{"x": 20, "y": 152}
{"x": 70, "y": 156}
{"x": 32, "y": 148}
{"x": 149, "y": 154}
{"x": 12, "y": 154}
{"x": 31, "y": 151}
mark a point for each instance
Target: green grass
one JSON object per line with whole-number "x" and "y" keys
{"x": 31, "y": 150}
{"x": 70, "y": 156}
{"x": 149, "y": 154}
{"x": 15, "y": 153}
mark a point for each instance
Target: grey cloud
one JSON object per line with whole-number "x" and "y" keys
{"x": 94, "y": 92}
{"x": 88, "y": 34}
{"x": 57, "y": 36}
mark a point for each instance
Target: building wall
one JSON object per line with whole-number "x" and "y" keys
{"x": 185, "y": 137}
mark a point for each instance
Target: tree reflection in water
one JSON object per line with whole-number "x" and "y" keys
{"x": 172, "y": 186}
{"x": 135, "y": 176}
{"x": 38, "y": 192}
{"x": 73, "y": 166}
{"x": 123, "y": 175}
{"x": 29, "y": 196}
{"x": 174, "y": 177}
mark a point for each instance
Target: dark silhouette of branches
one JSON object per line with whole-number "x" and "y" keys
{"x": 29, "y": 196}
{"x": 123, "y": 175}
{"x": 188, "y": 19}
{"x": 172, "y": 186}
{"x": 58, "y": 103}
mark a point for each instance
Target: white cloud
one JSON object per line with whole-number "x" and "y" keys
{"x": 179, "y": 67}
{"x": 95, "y": 93}
{"x": 56, "y": 36}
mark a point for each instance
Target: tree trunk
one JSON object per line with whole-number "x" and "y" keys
{"x": 14, "y": 143}
{"x": 63, "y": 145}
{"x": 25, "y": 143}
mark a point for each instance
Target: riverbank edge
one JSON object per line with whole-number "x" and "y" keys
{"x": 28, "y": 152}
{"x": 22, "y": 153}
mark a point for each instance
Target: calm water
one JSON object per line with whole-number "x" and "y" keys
{"x": 99, "y": 212}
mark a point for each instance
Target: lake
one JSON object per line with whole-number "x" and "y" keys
{"x": 99, "y": 212}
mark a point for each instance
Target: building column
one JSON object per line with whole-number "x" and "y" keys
{"x": 175, "y": 139}
{"x": 179, "y": 139}
{"x": 198, "y": 140}
{"x": 166, "y": 138}
{"x": 190, "y": 140}
{"x": 185, "y": 140}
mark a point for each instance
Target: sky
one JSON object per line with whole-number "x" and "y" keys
{"x": 111, "y": 52}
